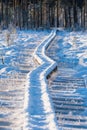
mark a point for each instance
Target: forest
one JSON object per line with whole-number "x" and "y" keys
{"x": 26, "y": 14}
{"x": 43, "y": 65}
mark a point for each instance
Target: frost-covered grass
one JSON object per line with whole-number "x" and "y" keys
{"x": 11, "y": 55}
{"x": 70, "y": 52}
{"x": 68, "y": 85}
{"x": 16, "y": 61}
{"x": 73, "y": 47}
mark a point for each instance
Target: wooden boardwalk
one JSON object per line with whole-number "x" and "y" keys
{"x": 13, "y": 88}
{"x": 24, "y": 98}
{"x": 70, "y": 107}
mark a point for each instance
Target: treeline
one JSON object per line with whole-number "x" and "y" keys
{"x": 27, "y": 14}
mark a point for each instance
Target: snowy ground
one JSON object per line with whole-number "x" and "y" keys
{"x": 22, "y": 41}
{"x": 16, "y": 61}
{"x": 69, "y": 50}
{"x": 75, "y": 51}
{"x": 68, "y": 86}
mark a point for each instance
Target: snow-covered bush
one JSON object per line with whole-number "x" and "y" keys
{"x": 7, "y": 36}
{"x": 10, "y": 34}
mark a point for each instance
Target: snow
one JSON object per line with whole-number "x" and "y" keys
{"x": 14, "y": 72}
{"x": 74, "y": 48}
{"x": 40, "y": 112}
{"x": 2, "y": 70}
{"x": 24, "y": 96}
{"x": 69, "y": 83}
{"x": 24, "y": 40}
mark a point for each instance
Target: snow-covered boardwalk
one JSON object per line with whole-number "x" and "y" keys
{"x": 39, "y": 108}
{"x": 27, "y": 102}
{"x": 24, "y": 100}
{"x": 67, "y": 85}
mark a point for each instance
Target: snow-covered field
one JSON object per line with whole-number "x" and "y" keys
{"x": 71, "y": 48}
{"x": 11, "y": 52}
{"x": 68, "y": 86}
{"x": 75, "y": 50}
{"x": 19, "y": 91}
{"x": 16, "y": 61}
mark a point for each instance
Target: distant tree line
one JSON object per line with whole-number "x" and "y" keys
{"x": 27, "y": 14}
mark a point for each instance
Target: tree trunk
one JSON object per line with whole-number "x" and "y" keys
{"x": 81, "y": 18}
{"x": 40, "y": 13}
{"x": 69, "y": 10}
{"x": 75, "y": 13}
{"x": 47, "y": 16}
{"x": 6, "y": 13}
{"x": 66, "y": 18}
{"x": 34, "y": 10}
{"x": 1, "y": 11}
{"x": 84, "y": 13}
{"x": 57, "y": 13}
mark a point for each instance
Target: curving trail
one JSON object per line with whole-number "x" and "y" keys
{"x": 67, "y": 87}
{"x": 40, "y": 113}
{"x": 13, "y": 79}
